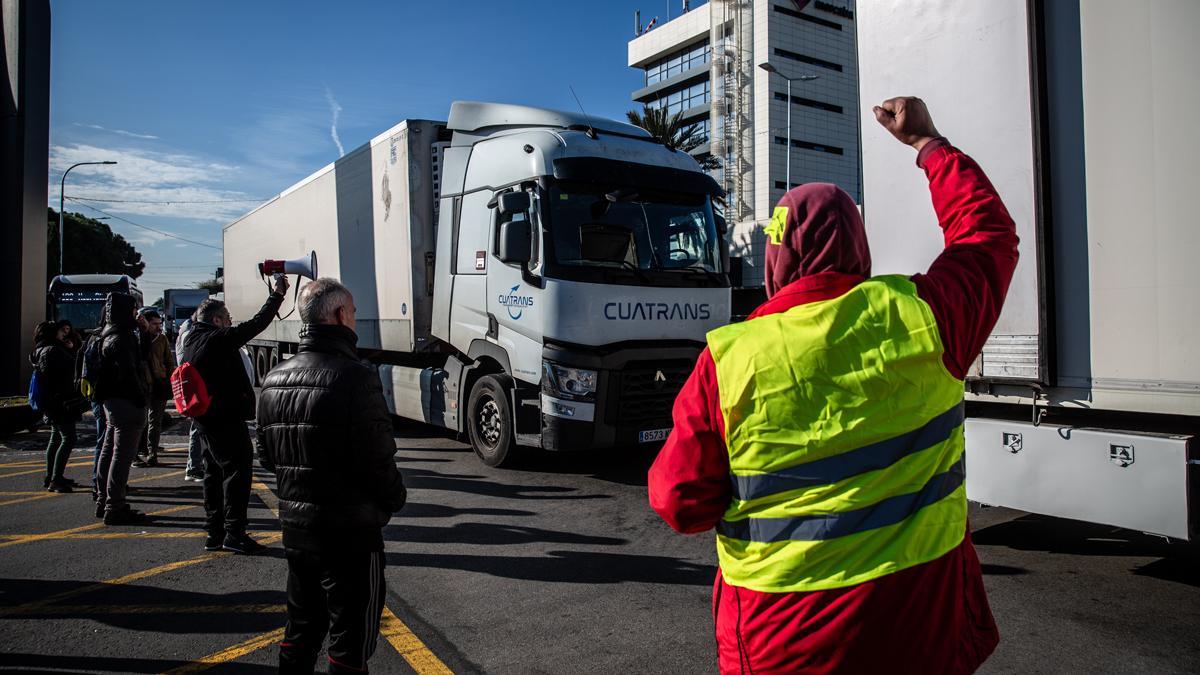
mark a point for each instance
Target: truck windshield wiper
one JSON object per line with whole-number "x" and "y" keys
{"x": 712, "y": 276}
{"x": 605, "y": 264}
{"x": 641, "y": 274}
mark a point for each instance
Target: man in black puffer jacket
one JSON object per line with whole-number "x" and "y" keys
{"x": 213, "y": 347}
{"x": 325, "y": 430}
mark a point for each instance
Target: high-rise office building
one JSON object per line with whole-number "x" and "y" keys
{"x": 727, "y": 65}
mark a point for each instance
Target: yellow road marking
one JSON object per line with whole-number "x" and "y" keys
{"x": 268, "y": 498}
{"x": 191, "y": 534}
{"x": 41, "y": 470}
{"x": 36, "y": 497}
{"x": 46, "y": 495}
{"x": 86, "y": 528}
{"x": 11, "y": 493}
{"x": 268, "y": 538}
{"x": 230, "y": 653}
{"x": 74, "y": 610}
{"x": 26, "y": 462}
{"x": 395, "y": 631}
{"x": 398, "y": 634}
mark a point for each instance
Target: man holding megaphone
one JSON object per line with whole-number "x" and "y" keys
{"x": 212, "y": 350}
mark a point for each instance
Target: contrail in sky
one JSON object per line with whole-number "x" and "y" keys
{"x": 337, "y": 111}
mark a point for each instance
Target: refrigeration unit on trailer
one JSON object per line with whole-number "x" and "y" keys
{"x": 1086, "y": 399}
{"x": 521, "y": 275}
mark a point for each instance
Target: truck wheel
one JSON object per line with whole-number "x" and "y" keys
{"x": 490, "y": 421}
{"x": 259, "y": 358}
{"x": 273, "y": 360}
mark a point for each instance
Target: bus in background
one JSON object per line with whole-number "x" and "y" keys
{"x": 79, "y": 298}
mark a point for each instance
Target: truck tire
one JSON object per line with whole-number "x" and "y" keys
{"x": 273, "y": 360}
{"x": 490, "y": 420}
{"x": 259, "y": 359}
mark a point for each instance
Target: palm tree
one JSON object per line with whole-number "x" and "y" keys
{"x": 672, "y": 132}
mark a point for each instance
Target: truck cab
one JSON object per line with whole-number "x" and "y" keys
{"x": 581, "y": 265}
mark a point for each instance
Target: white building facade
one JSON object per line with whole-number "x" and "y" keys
{"x": 708, "y": 64}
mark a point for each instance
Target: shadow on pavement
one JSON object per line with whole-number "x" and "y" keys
{"x": 1180, "y": 561}
{"x": 44, "y": 663}
{"x": 568, "y": 567}
{"x": 422, "y": 479}
{"x": 146, "y": 608}
{"x": 496, "y": 534}
{"x": 1003, "y": 570}
{"x": 623, "y": 465}
{"x": 418, "y": 510}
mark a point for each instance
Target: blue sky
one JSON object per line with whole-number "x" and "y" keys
{"x": 221, "y": 100}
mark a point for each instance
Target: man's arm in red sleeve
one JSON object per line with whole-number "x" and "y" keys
{"x": 689, "y": 481}
{"x": 967, "y": 283}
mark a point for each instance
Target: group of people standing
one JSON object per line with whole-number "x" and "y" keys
{"x": 122, "y": 371}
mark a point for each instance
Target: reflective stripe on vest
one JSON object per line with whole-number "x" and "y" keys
{"x": 845, "y": 440}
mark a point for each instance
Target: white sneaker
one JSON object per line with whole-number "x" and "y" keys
{"x": 193, "y": 478}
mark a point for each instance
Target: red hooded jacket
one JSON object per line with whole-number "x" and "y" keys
{"x": 932, "y": 618}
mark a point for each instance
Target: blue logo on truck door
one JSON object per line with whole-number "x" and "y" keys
{"x": 656, "y": 311}
{"x": 516, "y": 304}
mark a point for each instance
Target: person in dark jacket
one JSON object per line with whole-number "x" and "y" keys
{"x": 101, "y": 420}
{"x": 212, "y": 349}
{"x": 123, "y": 390}
{"x": 161, "y": 362}
{"x": 325, "y": 431}
{"x": 56, "y": 373}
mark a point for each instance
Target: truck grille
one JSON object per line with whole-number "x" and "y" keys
{"x": 646, "y": 391}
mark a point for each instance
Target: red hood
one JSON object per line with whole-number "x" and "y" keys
{"x": 822, "y": 232}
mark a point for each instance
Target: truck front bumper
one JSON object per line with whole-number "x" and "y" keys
{"x": 636, "y": 390}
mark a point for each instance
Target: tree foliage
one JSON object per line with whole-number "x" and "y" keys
{"x": 91, "y": 247}
{"x": 213, "y": 286}
{"x": 671, "y": 131}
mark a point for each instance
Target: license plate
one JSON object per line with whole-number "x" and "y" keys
{"x": 651, "y": 435}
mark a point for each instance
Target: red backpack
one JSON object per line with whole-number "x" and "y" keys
{"x": 191, "y": 394}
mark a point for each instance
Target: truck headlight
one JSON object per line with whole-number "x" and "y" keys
{"x": 571, "y": 382}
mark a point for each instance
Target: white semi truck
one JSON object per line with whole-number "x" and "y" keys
{"x": 521, "y": 275}
{"x": 1086, "y": 401}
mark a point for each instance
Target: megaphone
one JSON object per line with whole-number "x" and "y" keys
{"x": 305, "y": 266}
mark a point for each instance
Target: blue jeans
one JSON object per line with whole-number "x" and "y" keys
{"x": 101, "y": 426}
{"x": 126, "y": 424}
{"x": 195, "y": 463}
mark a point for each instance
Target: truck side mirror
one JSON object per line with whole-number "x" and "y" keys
{"x": 516, "y": 241}
{"x": 513, "y": 202}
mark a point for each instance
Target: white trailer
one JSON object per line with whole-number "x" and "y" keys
{"x": 523, "y": 276}
{"x": 1086, "y": 399}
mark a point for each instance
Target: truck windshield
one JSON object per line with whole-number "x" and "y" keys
{"x": 82, "y": 315}
{"x": 644, "y": 233}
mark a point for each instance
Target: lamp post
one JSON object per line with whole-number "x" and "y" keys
{"x": 787, "y": 185}
{"x": 61, "y": 196}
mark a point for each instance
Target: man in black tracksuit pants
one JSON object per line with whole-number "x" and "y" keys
{"x": 325, "y": 430}
{"x": 212, "y": 347}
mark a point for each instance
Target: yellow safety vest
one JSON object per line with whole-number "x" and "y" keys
{"x": 845, "y": 440}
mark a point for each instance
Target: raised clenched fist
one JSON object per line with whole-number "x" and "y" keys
{"x": 907, "y": 118}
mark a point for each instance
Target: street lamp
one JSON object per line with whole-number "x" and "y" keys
{"x": 787, "y": 172}
{"x": 61, "y": 196}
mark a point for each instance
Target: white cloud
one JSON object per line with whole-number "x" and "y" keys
{"x": 145, "y": 237}
{"x": 337, "y": 112}
{"x": 120, "y": 132}
{"x": 142, "y": 176}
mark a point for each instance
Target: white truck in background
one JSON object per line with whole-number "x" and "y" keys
{"x": 521, "y": 275}
{"x": 1086, "y": 401}
{"x": 178, "y": 306}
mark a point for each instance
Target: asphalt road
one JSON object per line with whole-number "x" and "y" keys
{"x": 555, "y": 566}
